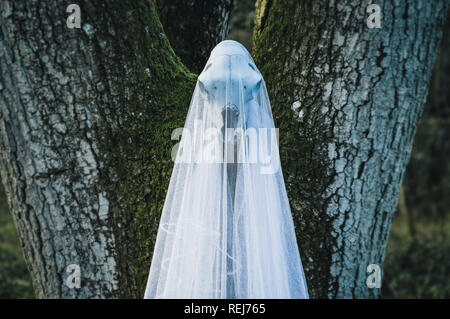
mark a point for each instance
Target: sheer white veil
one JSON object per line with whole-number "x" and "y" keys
{"x": 226, "y": 228}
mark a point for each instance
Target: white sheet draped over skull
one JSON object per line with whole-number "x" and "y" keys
{"x": 226, "y": 228}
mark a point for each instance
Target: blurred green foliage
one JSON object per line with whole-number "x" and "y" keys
{"x": 417, "y": 266}
{"x": 15, "y": 281}
{"x": 241, "y": 23}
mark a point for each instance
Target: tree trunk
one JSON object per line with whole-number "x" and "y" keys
{"x": 194, "y": 27}
{"x": 427, "y": 177}
{"x": 347, "y": 99}
{"x": 85, "y": 122}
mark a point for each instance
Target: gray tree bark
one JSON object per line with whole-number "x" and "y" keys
{"x": 427, "y": 177}
{"x": 347, "y": 100}
{"x": 85, "y": 122}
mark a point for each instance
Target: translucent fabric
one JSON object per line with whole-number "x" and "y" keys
{"x": 226, "y": 228}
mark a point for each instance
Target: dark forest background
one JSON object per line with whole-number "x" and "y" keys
{"x": 417, "y": 263}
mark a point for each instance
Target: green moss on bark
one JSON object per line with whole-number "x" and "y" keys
{"x": 345, "y": 146}
{"x": 161, "y": 95}
{"x": 149, "y": 94}
{"x": 304, "y": 135}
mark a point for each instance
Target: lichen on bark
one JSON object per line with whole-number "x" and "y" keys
{"x": 86, "y": 117}
{"x": 152, "y": 99}
{"x": 347, "y": 99}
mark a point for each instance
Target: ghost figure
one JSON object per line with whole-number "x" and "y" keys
{"x": 226, "y": 227}
{"x": 231, "y": 82}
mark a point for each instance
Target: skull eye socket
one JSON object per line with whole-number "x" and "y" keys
{"x": 202, "y": 86}
{"x": 207, "y": 67}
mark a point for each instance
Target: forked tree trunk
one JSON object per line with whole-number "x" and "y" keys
{"x": 194, "y": 27}
{"x": 347, "y": 99}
